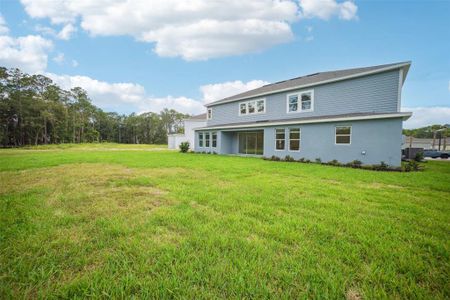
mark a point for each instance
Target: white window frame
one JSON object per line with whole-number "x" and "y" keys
{"x": 246, "y": 103}
{"x": 299, "y": 102}
{"x": 209, "y": 114}
{"x": 208, "y": 139}
{"x": 214, "y": 133}
{"x": 201, "y": 139}
{"x": 284, "y": 149}
{"x": 241, "y": 114}
{"x": 336, "y": 135}
{"x": 299, "y": 139}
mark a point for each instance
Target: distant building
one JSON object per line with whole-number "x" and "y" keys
{"x": 174, "y": 140}
{"x": 427, "y": 144}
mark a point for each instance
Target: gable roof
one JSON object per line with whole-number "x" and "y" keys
{"x": 200, "y": 117}
{"x": 314, "y": 79}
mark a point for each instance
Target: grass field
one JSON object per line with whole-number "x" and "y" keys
{"x": 88, "y": 221}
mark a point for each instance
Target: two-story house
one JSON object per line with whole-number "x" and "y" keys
{"x": 345, "y": 115}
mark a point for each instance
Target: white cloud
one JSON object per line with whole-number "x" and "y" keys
{"x": 3, "y": 27}
{"x": 28, "y": 53}
{"x": 66, "y": 32}
{"x": 134, "y": 97}
{"x": 191, "y": 29}
{"x": 59, "y": 59}
{"x": 129, "y": 96}
{"x": 424, "y": 116}
{"x": 217, "y": 91}
{"x": 75, "y": 63}
{"x": 180, "y": 104}
{"x": 45, "y": 30}
{"x": 325, "y": 9}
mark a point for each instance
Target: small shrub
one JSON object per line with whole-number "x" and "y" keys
{"x": 318, "y": 160}
{"x": 367, "y": 167}
{"x": 214, "y": 152}
{"x": 275, "y": 158}
{"x": 184, "y": 147}
{"x": 302, "y": 159}
{"x": 356, "y": 163}
{"x": 334, "y": 162}
{"x": 413, "y": 165}
{"x": 418, "y": 157}
{"x": 381, "y": 167}
{"x": 289, "y": 158}
{"x": 203, "y": 152}
{"x": 307, "y": 161}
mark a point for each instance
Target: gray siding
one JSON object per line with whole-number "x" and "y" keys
{"x": 373, "y": 93}
{"x": 380, "y": 139}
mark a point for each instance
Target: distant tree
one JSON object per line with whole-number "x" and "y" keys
{"x": 428, "y": 131}
{"x": 34, "y": 110}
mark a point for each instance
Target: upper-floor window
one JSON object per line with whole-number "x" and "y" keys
{"x": 300, "y": 102}
{"x": 209, "y": 114}
{"x": 252, "y": 107}
{"x": 343, "y": 135}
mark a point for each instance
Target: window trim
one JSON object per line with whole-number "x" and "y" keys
{"x": 336, "y": 135}
{"x": 247, "y": 113}
{"x": 299, "y": 139}
{"x": 299, "y": 102}
{"x": 284, "y": 129}
{"x": 208, "y": 113}
{"x": 241, "y": 114}
{"x": 201, "y": 139}
{"x": 208, "y": 138}
{"x": 214, "y": 133}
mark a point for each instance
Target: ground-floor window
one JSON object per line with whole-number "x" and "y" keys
{"x": 343, "y": 135}
{"x": 294, "y": 139}
{"x": 251, "y": 142}
{"x": 214, "y": 139}
{"x": 200, "y": 139}
{"x": 280, "y": 139}
{"x": 207, "y": 139}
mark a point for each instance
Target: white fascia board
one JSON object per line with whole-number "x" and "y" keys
{"x": 404, "y": 115}
{"x": 403, "y": 65}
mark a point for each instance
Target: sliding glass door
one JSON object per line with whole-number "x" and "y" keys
{"x": 251, "y": 142}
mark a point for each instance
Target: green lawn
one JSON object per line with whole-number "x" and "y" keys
{"x": 118, "y": 222}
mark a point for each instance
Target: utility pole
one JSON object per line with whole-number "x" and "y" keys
{"x": 434, "y": 140}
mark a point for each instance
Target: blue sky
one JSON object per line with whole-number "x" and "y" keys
{"x": 145, "y": 55}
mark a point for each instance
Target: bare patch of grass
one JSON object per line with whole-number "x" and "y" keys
{"x": 353, "y": 294}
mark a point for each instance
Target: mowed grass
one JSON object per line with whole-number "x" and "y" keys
{"x": 158, "y": 224}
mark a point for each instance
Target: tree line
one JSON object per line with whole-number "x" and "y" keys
{"x": 429, "y": 132}
{"x": 34, "y": 110}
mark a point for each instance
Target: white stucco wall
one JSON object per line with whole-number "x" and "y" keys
{"x": 174, "y": 140}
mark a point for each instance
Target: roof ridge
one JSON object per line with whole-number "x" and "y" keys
{"x": 309, "y": 79}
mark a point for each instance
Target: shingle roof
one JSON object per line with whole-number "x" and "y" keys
{"x": 198, "y": 117}
{"x": 315, "y": 119}
{"x": 308, "y": 80}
